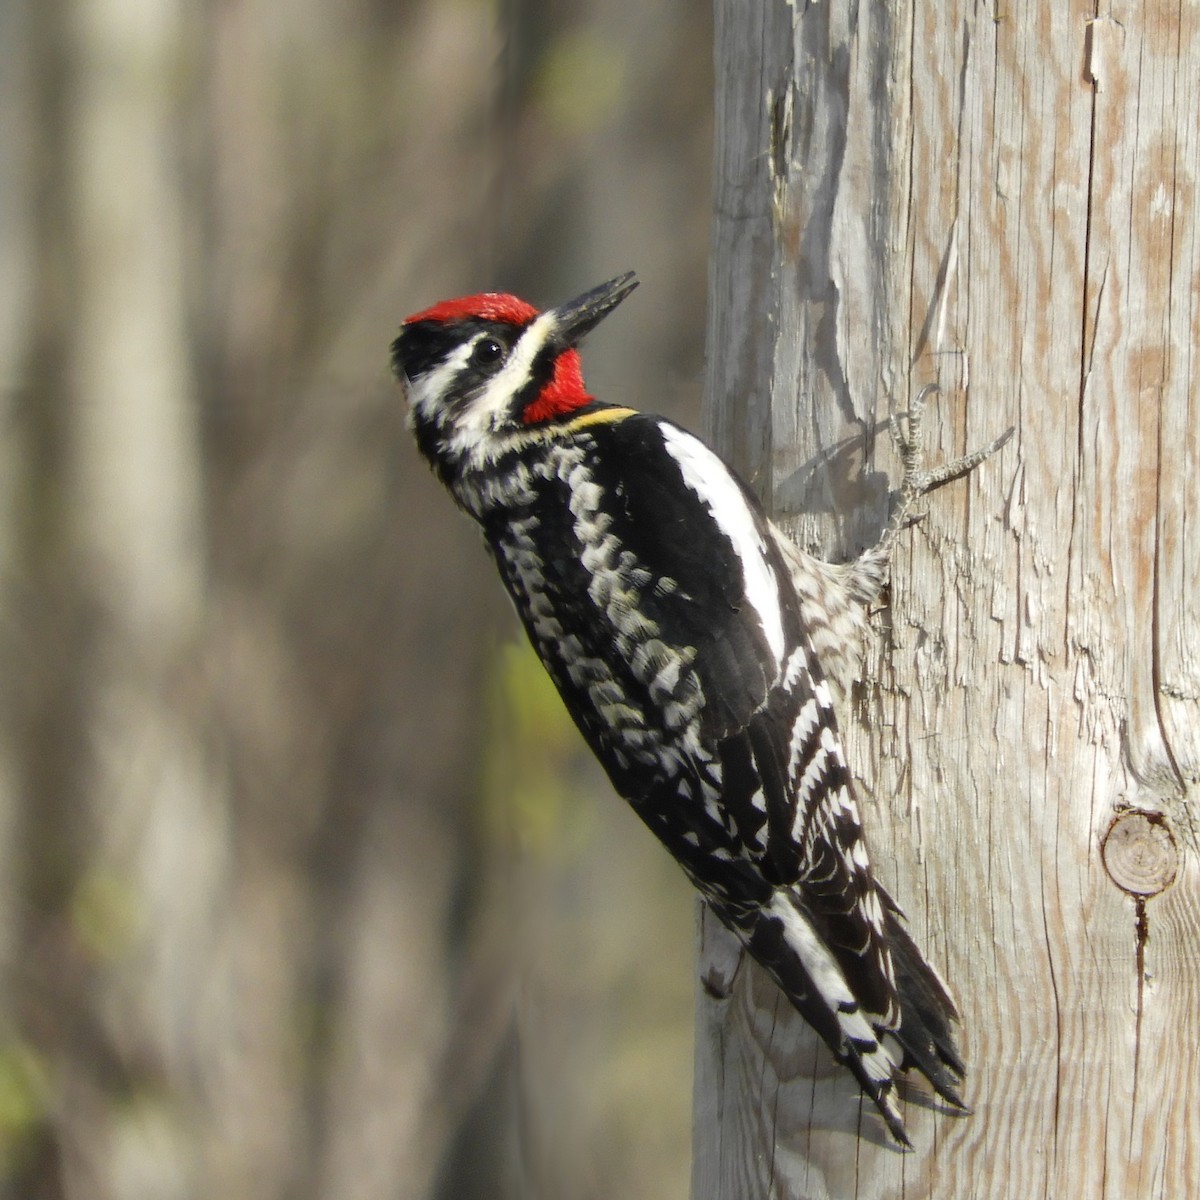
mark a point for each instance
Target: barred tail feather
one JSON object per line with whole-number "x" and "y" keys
{"x": 780, "y": 936}
{"x": 926, "y": 1013}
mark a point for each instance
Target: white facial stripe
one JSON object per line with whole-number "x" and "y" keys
{"x": 709, "y": 478}
{"x": 426, "y": 391}
{"x": 480, "y": 417}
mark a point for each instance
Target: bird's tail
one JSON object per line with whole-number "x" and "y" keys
{"x": 874, "y": 1048}
{"x": 927, "y": 1011}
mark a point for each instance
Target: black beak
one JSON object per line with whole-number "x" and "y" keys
{"x": 577, "y": 318}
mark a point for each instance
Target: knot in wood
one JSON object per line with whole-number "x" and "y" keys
{"x": 1140, "y": 853}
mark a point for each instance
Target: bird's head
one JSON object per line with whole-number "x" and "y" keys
{"x": 484, "y": 373}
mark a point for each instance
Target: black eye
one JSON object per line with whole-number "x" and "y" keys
{"x": 487, "y": 352}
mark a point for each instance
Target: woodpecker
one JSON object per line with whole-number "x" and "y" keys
{"x": 692, "y": 643}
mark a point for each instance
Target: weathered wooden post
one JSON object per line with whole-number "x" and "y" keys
{"x": 1002, "y": 200}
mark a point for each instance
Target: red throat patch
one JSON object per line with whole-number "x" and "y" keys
{"x": 487, "y": 306}
{"x": 563, "y": 394}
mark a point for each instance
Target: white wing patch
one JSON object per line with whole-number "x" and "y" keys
{"x": 709, "y": 478}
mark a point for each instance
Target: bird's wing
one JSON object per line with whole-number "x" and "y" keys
{"x": 767, "y": 714}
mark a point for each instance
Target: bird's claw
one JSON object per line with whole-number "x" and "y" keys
{"x": 916, "y": 481}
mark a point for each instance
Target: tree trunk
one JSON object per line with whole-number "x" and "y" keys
{"x": 1001, "y": 201}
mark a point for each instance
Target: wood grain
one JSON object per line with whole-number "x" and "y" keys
{"x": 1001, "y": 200}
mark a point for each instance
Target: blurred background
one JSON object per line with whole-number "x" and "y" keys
{"x": 307, "y": 886}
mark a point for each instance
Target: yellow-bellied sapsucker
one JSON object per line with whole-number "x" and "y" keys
{"x": 691, "y": 642}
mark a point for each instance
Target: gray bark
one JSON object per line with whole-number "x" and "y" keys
{"x": 1004, "y": 203}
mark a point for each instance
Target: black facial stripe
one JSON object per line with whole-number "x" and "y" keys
{"x": 541, "y": 371}
{"x": 422, "y": 345}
